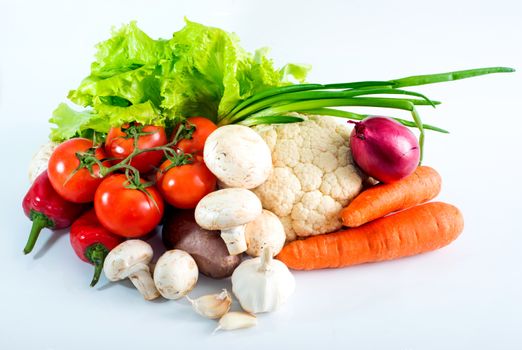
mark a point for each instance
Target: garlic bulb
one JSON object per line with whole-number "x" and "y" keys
{"x": 262, "y": 284}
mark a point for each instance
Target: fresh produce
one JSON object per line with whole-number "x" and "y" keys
{"x": 92, "y": 242}
{"x": 384, "y": 149}
{"x": 212, "y": 306}
{"x": 156, "y": 127}
{"x": 199, "y": 71}
{"x": 120, "y": 143}
{"x": 229, "y": 210}
{"x": 183, "y": 185}
{"x": 175, "y": 274}
{"x": 413, "y": 231}
{"x": 47, "y": 209}
{"x": 74, "y": 169}
{"x": 203, "y": 71}
{"x": 262, "y": 284}
{"x": 236, "y": 320}
{"x": 131, "y": 259}
{"x": 126, "y": 209}
{"x": 266, "y": 231}
{"x": 313, "y": 178}
{"x": 272, "y": 105}
{"x": 202, "y": 127}
{"x": 40, "y": 160}
{"x": 377, "y": 201}
{"x": 238, "y": 157}
{"x": 180, "y": 231}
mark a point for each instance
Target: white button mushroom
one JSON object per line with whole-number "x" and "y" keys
{"x": 229, "y": 210}
{"x": 175, "y": 274}
{"x": 130, "y": 259}
{"x": 40, "y": 159}
{"x": 262, "y": 284}
{"x": 266, "y": 231}
{"x": 238, "y": 156}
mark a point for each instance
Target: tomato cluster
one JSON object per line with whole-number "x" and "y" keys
{"x": 129, "y": 186}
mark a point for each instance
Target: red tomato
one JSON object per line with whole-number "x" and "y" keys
{"x": 183, "y": 186}
{"x": 204, "y": 127}
{"x": 80, "y": 186}
{"x": 119, "y": 146}
{"x": 127, "y": 212}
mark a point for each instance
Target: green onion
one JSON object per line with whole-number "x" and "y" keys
{"x": 315, "y": 95}
{"x": 273, "y": 119}
{"x": 296, "y": 88}
{"x": 355, "y": 116}
{"x": 449, "y": 76}
{"x": 273, "y": 105}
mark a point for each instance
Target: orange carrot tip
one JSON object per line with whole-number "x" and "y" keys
{"x": 382, "y": 199}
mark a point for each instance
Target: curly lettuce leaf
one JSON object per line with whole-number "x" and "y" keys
{"x": 219, "y": 72}
{"x": 124, "y": 67}
{"x": 71, "y": 123}
{"x": 145, "y": 113}
{"x": 199, "y": 71}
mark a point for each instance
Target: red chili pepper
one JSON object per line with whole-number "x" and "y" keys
{"x": 47, "y": 209}
{"x": 92, "y": 242}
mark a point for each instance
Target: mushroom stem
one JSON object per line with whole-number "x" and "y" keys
{"x": 142, "y": 280}
{"x": 266, "y": 260}
{"x": 234, "y": 238}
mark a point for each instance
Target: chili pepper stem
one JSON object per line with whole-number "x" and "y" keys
{"x": 40, "y": 221}
{"x": 96, "y": 254}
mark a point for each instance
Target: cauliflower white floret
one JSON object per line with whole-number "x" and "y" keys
{"x": 314, "y": 175}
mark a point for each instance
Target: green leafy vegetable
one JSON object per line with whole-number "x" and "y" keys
{"x": 202, "y": 71}
{"x": 274, "y": 102}
{"x": 71, "y": 123}
{"x": 199, "y": 71}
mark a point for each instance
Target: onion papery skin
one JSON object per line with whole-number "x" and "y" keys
{"x": 384, "y": 149}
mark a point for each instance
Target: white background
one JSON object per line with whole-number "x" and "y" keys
{"x": 465, "y": 296}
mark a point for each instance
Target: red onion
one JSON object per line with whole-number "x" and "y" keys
{"x": 384, "y": 149}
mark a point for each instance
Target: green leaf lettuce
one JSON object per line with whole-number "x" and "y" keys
{"x": 200, "y": 71}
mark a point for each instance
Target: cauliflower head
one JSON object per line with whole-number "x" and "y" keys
{"x": 314, "y": 175}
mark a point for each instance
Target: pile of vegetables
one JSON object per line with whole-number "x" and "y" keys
{"x": 233, "y": 159}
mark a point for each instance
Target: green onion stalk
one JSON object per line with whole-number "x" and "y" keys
{"x": 273, "y": 105}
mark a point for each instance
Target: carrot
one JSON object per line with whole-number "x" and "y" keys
{"x": 377, "y": 201}
{"x": 416, "y": 230}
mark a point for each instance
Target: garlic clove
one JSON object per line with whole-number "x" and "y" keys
{"x": 213, "y": 305}
{"x": 236, "y": 320}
